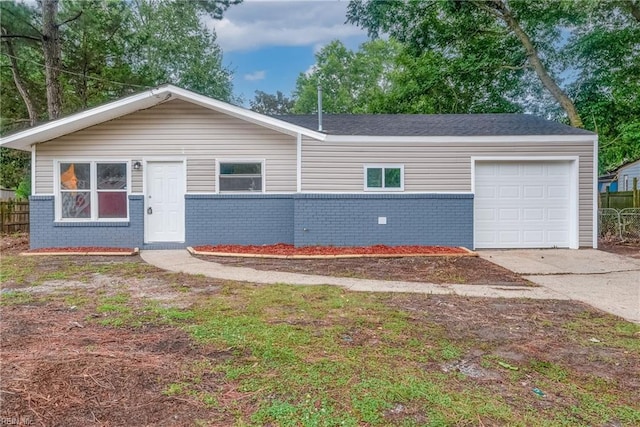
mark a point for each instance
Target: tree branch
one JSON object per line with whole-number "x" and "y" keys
{"x": 70, "y": 19}
{"x": 17, "y": 79}
{"x": 19, "y": 36}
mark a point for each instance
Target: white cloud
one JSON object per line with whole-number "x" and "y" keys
{"x": 255, "y": 24}
{"x": 256, "y": 75}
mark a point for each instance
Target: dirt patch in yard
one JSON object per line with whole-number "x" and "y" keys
{"x": 630, "y": 249}
{"x": 59, "y": 370}
{"x": 465, "y": 270}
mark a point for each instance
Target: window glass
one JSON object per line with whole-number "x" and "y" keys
{"x": 76, "y": 204}
{"x": 240, "y": 168}
{"x": 75, "y": 176}
{"x": 82, "y": 198}
{"x": 384, "y": 177}
{"x": 240, "y": 177}
{"x": 112, "y": 176}
{"x": 112, "y": 204}
{"x": 392, "y": 178}
{"x": 374, "y": 177}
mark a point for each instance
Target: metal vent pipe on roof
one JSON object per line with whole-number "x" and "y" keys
{"x": 319, "y": 108}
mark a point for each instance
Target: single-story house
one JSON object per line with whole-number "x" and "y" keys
{"x": 169, "y": 168}
{"x": 620, "y": 179}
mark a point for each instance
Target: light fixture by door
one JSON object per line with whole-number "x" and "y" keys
{"x": 137, "y": 166}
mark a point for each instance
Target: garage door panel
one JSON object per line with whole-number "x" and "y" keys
{"x": 533, "y": 214}
{"x": 533, "y": 170}
{"x": 522, "y": 204}
{"x": 533, "y": 191}
{"x": 509, "y": 192}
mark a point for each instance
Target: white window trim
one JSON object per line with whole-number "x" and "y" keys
{"x": 231, "y": 160}
{"x": 383, "y": 166}
{"x": 93, "y": 170}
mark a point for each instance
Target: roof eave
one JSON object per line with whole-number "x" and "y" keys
{"x": 462, "y": 138}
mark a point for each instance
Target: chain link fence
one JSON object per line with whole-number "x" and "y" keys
{"x": 619, "y": 224}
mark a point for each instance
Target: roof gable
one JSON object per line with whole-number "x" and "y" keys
{"x": 23, "y": 140}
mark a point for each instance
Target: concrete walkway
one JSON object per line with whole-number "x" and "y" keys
{"x": 603, "y": 280}
{"x": 182, "y": 262}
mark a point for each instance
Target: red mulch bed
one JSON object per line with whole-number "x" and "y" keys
{"x": 287, "y": 250}
{"x": 81, "y": 249}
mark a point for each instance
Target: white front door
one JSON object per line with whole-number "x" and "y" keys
{"x": 164, "y": 202}
{"x": 523, "y": 204}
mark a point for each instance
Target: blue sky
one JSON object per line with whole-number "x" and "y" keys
{"x": 267, "y": 44}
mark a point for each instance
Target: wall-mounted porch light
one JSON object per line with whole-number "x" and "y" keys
{"x": 137, "y": 166}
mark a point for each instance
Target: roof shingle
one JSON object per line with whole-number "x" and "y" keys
{"x": 433, "y": 124}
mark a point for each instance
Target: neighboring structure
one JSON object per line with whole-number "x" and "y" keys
{"x": 169, "y": 168}
{"x": 626, "y": 174}
{"x": 620, "y": 179}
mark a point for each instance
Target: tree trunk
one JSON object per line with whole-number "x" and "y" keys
{"x": 534, "y": 59}
{"x": 20, "y": 84}
{"x": 635, "y": 9}
{"x": 52, "y": 57}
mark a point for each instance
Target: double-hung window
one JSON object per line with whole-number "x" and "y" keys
{"x": 384, "y": 177}
{"x": 90, "y": 190}
{"x": 240, "y": 176}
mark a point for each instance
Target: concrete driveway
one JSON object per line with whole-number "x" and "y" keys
{"x": 603, "y": 280}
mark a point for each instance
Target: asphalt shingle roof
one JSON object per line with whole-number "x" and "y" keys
{"x": 433, "y": 124}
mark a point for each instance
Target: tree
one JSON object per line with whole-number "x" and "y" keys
{"x": 506, "y": 38}
{"x": 62, "y": 56}
{"x": 267, "y": 103}
{"x": 607, "y": 88}
{"x": 352, "y": 82}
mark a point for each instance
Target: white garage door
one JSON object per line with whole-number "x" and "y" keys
{"x": 522, "y": 204}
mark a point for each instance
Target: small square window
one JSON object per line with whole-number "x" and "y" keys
{"x": 384, "y": 177}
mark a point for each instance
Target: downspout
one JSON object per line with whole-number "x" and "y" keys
{"x": 299, "y": 162}
{"x": 319, "y": 108}
{"x": 33, "y": 169}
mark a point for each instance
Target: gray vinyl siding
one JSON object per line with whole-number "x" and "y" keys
{"x": 181, "y": 130}
{"x": 435, "y": 167}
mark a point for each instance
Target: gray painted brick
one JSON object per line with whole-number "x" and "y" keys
{"x": 46, "y": 233}
{"x": 301, "y": 219}
{"x": 239, "y": 219}
{"x": 412, "y": 219}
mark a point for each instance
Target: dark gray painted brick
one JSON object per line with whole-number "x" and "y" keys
{"x": 412, "y": 219}
{"x": 301, "y": 219}
{"x": 46, "y": 233}
{"x": 239, "y": 219}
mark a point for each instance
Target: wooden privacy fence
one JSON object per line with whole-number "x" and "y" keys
{"x": 621, "y": 199}
{"x": 14, "y": 216}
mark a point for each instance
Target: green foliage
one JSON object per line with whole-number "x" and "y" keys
{"x": 351, "y": 81}
{"x": 24, "y": 188}
{"x": 112, "y": 49}
{"x": 14, "y": 167}
{"x": 266, "y": 103}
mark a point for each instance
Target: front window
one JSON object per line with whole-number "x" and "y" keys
{"x": 93, "y": 190}
{"x": 239, "y": 177}
{"x": 384, "y": 177}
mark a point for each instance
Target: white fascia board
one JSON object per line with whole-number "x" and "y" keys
{"x": 54, "y": 129}
{"x": 509, "y": 139}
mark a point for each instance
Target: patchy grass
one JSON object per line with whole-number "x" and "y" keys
{"x": 314, "y": 356}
